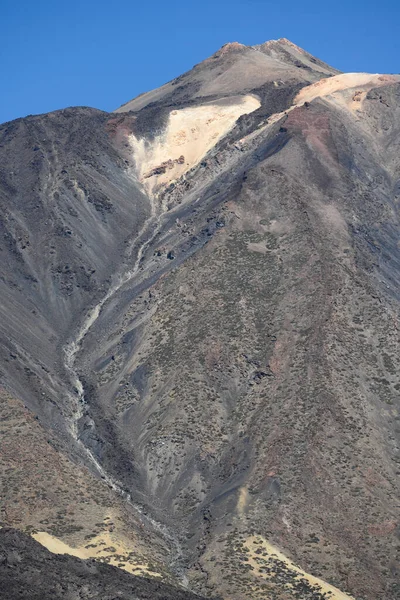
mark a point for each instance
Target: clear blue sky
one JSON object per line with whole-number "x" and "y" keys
{"x": 58, "y": 53}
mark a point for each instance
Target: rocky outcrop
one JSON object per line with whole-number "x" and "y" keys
{"x": 166, "y": 165}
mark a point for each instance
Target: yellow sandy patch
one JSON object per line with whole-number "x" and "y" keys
{"x": 242, "y": 500}
{"x": 341, "y": 83}
{"x": 270, "y": 554}
{"x": 189, "y": 135}
{"x": 257, "y": 247}
{"x": 104, "y": 547}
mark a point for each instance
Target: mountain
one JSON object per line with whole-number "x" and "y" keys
{"x": 199, "y": 329}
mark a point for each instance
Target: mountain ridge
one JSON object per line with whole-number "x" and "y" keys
{"x": 254, "y": 65}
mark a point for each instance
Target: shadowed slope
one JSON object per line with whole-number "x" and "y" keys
{"x": 29, "y": 571}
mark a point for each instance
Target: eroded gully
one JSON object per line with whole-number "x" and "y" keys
{"x": 146, "y": 236}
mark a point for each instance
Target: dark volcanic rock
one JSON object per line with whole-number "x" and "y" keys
{"x": 69, "y": 209}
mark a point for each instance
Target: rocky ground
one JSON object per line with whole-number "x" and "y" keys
{"x": 28, "y": 570}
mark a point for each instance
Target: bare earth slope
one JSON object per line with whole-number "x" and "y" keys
{"x": 200, "y": 303}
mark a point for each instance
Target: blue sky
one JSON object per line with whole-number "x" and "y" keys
{"x": 56, "y": 53}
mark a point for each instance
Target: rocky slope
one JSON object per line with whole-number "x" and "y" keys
{"x": 199, "y": 303}
{"x": 26, "y": 566}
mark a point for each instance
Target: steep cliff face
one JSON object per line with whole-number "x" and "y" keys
{"x": 200, "y": 295}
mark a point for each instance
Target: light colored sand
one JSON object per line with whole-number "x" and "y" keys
{"x": 332, "y": 86}
{"x": 104, "y": 547}
{"x": 193, "y": 131}
{"x": 257, "y": 247}
{"x": 270, "y": 553}
{"x": 190, "y": 134}
{"x": 243, "y": 499}
{"x": 57, "y": 546}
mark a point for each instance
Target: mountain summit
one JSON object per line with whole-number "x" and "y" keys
{"x": 236, "y": 68}
{"x": 199, "y": 336}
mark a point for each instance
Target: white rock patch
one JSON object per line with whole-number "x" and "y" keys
{"x": 189, "y": 135}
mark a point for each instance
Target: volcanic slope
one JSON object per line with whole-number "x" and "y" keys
{"x": 200, "y": 299}
{"x": 26, "y": 565}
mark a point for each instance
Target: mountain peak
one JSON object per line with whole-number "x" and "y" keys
{"x": 232, "y": 46}
{"x": 236, "y": 69}
{"x": 290, "y": 53}
{"x": 283, "y": 40}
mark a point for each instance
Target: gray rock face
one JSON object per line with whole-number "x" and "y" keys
{"x": 200, "y": 297}
{"x": 69, "y": 210}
